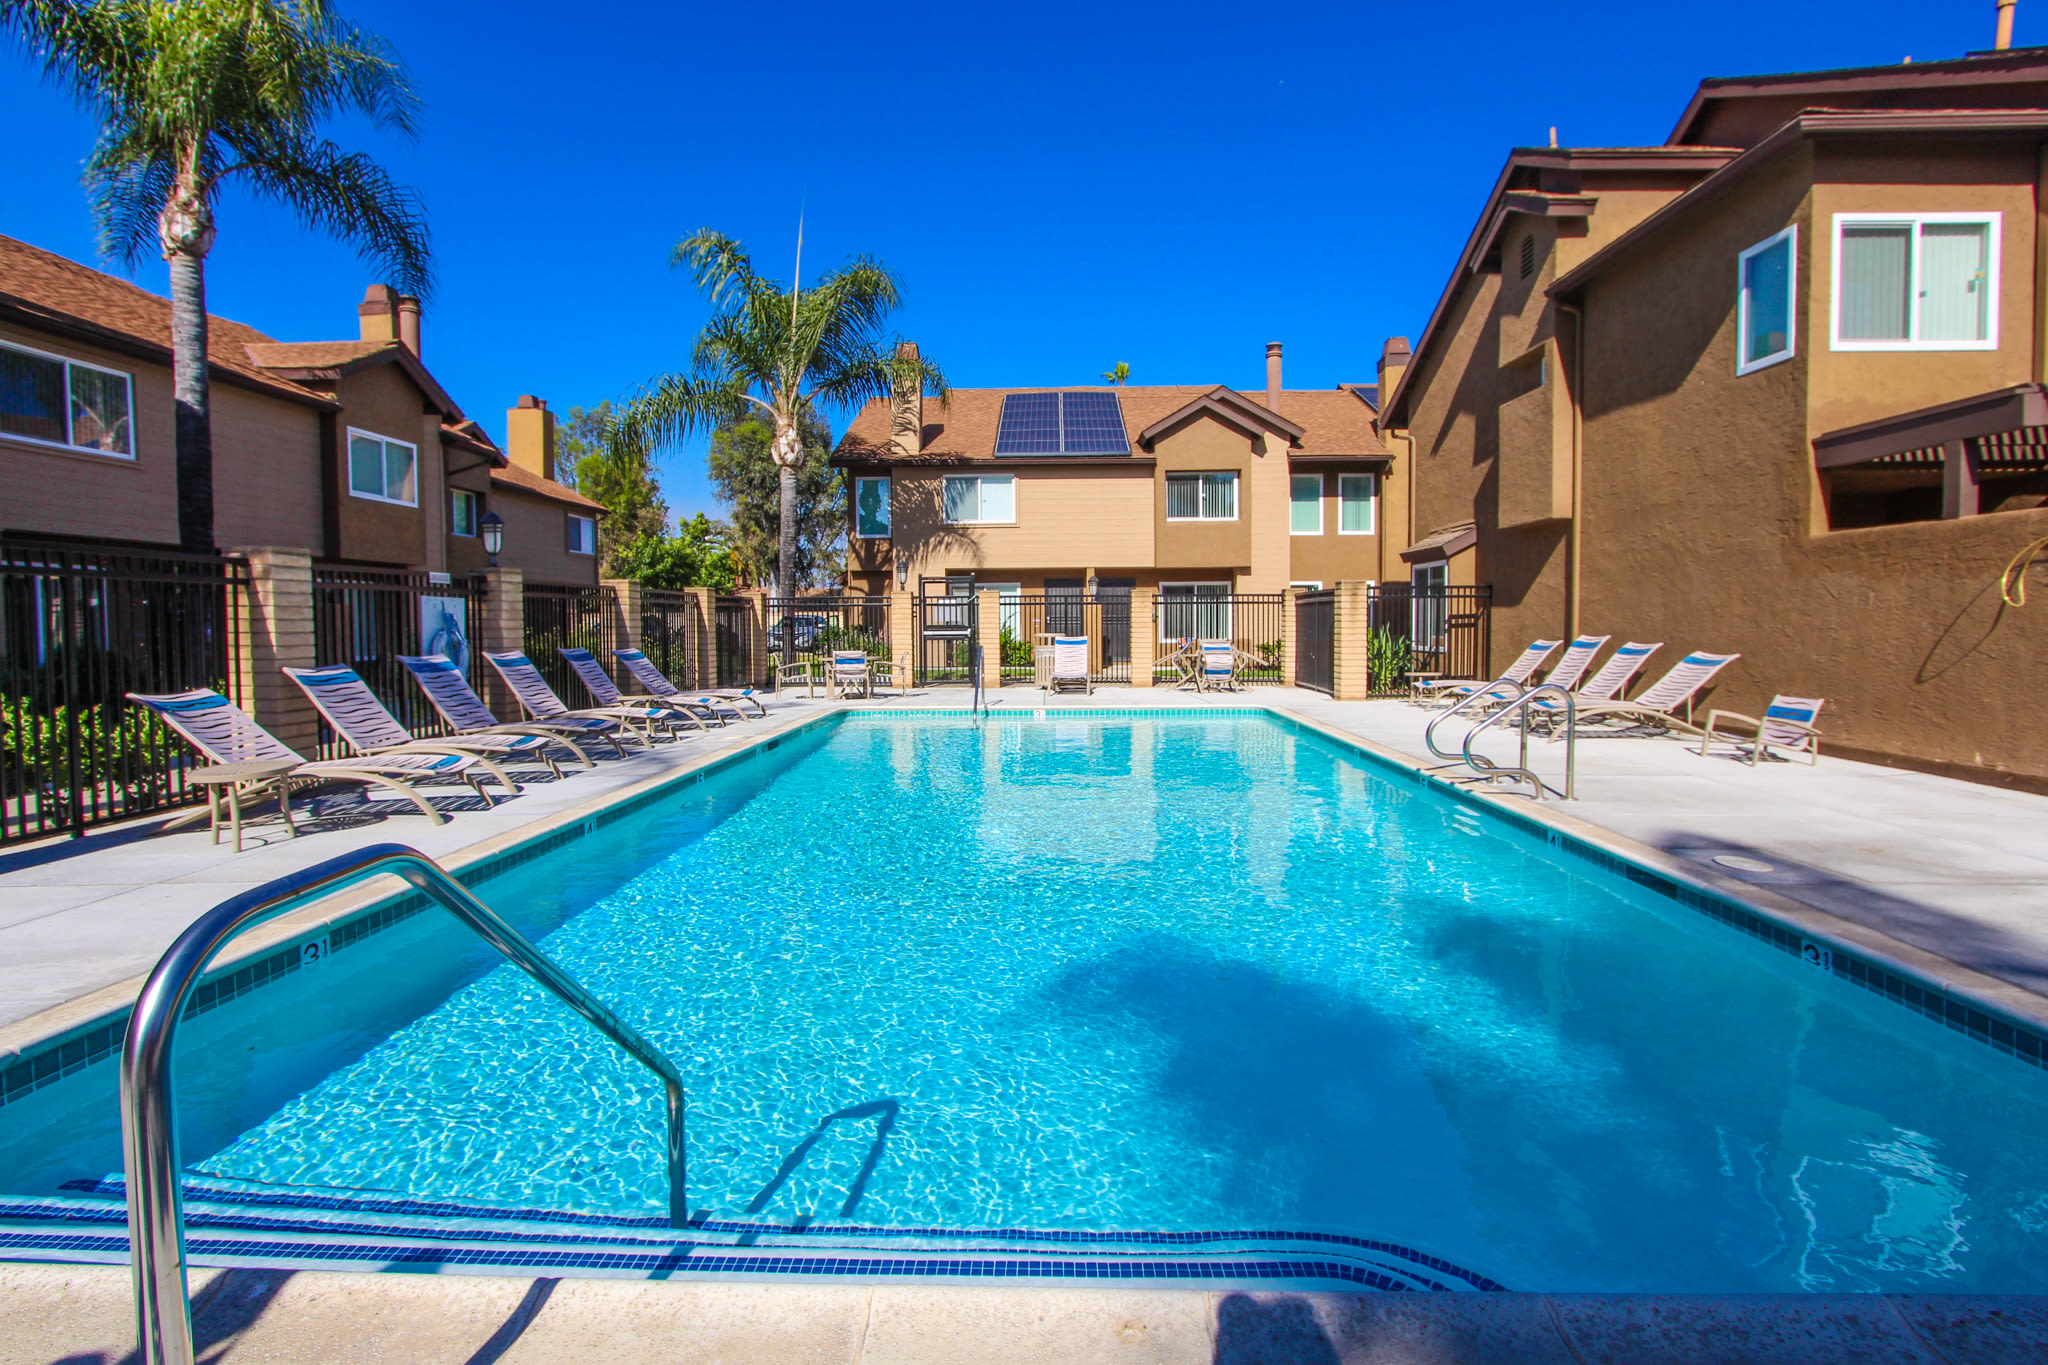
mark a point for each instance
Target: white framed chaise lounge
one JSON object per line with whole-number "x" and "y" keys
{"x": 467, "y": 714}
{"x": 223, "y": 733}
{"x": 659, "y": 688}
{"x": 1657, "y": 708}
{"x": 606, "y": 693}
{"x": 367, "y": 727}
{"x": 538, "y": 701}
{"x": 1447, "y": 691}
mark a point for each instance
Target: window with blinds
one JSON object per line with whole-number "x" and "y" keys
{"x": 1906, "y": 282}
{"x": 1201, "y": 497}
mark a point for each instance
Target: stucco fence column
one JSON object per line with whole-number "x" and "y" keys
{"x": 503, "y": 628}
{"x": 1352, "y": 647}
{"x": 988, "y": 634}
{"x": 1290, "y": 637}
{"x": 1144, "y": 636}
{"x": 277, "y": 633}
{"x": 627, "y": 598}
{"x": 903, "y": 630}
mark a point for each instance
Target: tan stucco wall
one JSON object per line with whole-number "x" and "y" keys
{"x": 1208, "y": 447}
{"x": 1331, "y": 557}
{"x": 1067, "y": 519}
{"x": 381, "y": 400}
{"x": 466, "y": 553}
{"x": 536, "y": 539}
{"x": 1700, "y": 504}
{"x": 266, "y": 483}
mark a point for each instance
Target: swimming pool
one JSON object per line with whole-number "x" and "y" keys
{"x": 1161, "y": 974}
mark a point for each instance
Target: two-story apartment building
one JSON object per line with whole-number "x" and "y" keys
{"x": 350, "y": 450}
{"x": 1787, "y": 400}
{"x": 1191, "y": 490}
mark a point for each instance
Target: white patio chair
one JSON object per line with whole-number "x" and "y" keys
{"x": 1070, "y": 664}
{"x": 1788, "y": 724}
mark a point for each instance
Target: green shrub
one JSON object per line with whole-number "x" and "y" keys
{"x": 37, "y": 743}
{"x": 1016, "y": 650}
{"x": 1387, "y": 656}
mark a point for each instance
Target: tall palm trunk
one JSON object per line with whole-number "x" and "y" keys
{"x": 785, "y": 544}
{"x": 185, "y": 228}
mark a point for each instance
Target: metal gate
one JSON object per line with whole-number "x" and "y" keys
{"x": 733, "y": 624}
{"x": 946, "y": 631}
{"x": 1315, "y": 640}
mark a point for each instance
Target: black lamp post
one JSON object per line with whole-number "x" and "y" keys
{"x": 493, "y": 527}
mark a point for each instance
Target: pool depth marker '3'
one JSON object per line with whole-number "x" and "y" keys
{"x": 149, "y": 1130}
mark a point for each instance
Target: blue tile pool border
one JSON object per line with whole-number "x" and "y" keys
{"x": 98, "y": 1040}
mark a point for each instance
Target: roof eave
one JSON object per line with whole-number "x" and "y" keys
{"x": 73, "y": 328}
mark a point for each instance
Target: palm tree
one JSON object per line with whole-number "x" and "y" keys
{"x": 778, "y": 354}
{"x": 1118, "y": 374}
{"x": 193, "y": 94}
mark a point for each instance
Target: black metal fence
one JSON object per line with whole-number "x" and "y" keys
{"x": 734, "y": 628}
{"x": 1251, "y": 621}
{"x": 1315, "y": 640}
{"x": 668, "y": 631}
{"x": 365, "y": 618}
{"x": 946, "y": 634}
{"x": 1441, "y": 632}
{"x": 79, "y": 627}
{"x": 804, "y": 629}
{"x": 1027, "y": 622}
{"x": 569, "y": 616}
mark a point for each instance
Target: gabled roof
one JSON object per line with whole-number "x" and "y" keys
{"x": 329, "y": 362}
{"x": 1444, "y": 542}
{"x": 1330, "y": 422}
{"x": 1232, "y": 409}
{"x": 1508, "y": 197}
{"x": 1811, "y": 123}
{"x": 45, "y": 292}
{"x": 518, "y": 480}
{"x": 1743, "y": 110}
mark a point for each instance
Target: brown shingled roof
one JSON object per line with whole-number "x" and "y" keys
{"x": 526, "y": 481}
{"x": 43, "y": 290}
{"x": 1337, "y": 421}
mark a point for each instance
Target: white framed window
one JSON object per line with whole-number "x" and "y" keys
{"x": 1201, "y": 497}
{"x": 381, "y": 469}
{"x": 1428, "y": 605}
{"x": 1355, "y": 498}
{"x": 1305, "y": 504}
{"x": 1010, "y": 610}
{"x": 462, "y": 512}
{"x": 1194, "y": 611}
{"x": 1311, "y": 584}
{"x": 56, "y": 401}
{"x": 1916, "y": 282}
{"x": 1764, "y": 326}
{"x": 582, "y": 535}
{"x": 980, "y": 499}
{"x": 871, "y": 509}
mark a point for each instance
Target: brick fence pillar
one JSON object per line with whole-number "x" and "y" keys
{"x": 1144, "y": 636}
{"x": 903, "y": 629}
{"x": 277, "y": 633}
{"x": 988, "y": 633}
{"x": 1290, "y": 638}
{"x": 624, "y": 598}
{"x": 756, "y": 649}
{"x": 700, "y": 643}
{"x": 503, "y": 628}
{"x": 1352, "y": 646}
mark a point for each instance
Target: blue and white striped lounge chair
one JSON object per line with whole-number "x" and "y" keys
{"x": 1215, "y": 666}
{"x": 1070, "y": 664}
{"x": 1447, "y": 691}
{"x": 538, "y": 701}
{"x": 1788, "y": 724}
{"x": 224, "y": 733}
{"x": 1656, "y": 709}
{"x": 1613, "y": 678}
{"x": 355, "y": 714}
{"x": 606, "y": 693}
{"x": 660, "y": 688}
{"x": 464, "y": 710}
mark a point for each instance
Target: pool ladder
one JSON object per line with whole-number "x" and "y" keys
{"x": 1484, "y": 769}
{"x": 149, "y": 1130}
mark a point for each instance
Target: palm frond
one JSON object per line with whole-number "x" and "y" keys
{"x": 350, "y": 197}
{"x": 675, "y": 406}
{"x": 717, "y": 264}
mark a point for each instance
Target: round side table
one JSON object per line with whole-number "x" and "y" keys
{"x": 228, "y": 781}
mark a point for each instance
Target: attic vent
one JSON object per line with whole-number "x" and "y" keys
{"x": 1528, "y": 255}
{"x": 1061, "y": 424}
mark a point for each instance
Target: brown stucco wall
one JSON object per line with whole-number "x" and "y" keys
{"x": 1209, "y": 447}
{"x": 536, "y": 538}
{"x": 266, "y": 485}
{"x": 466, "y": 553}
{"x": 384, "y": 401}
{"x": 1701, "y": 502}
{"x": 1331, "y": 557}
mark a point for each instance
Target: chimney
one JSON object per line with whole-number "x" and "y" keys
{"x": 409, "y": 322}
{"x": 530, "y": 436}
{"x": 1393, "y": 363}
{"x": 2003, "y": 41}
{"x": 906, "y": 416}
{"x": 377, "y": 314}
{"x": 1273, "y": 375}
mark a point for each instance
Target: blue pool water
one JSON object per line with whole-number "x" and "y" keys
{"x": 1173, "y": 974}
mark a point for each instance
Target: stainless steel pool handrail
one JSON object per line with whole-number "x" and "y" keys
{"x": 149, "y": 1130}
{"x": 1493, "y": 691}
{"x": 1489, "y": 771}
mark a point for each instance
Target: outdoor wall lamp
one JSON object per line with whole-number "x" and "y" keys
{"x": 1093, "y": 584}
{"x": 902, "y": 573}
{"x": 493, "y": 527}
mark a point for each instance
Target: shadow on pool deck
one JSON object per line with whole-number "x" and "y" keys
{"x": 1972, "y": 943}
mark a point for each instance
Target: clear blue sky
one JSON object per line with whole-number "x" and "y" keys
{"x": 1061, "y": 186}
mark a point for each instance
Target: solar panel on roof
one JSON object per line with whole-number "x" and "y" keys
{"x": 1061, "y": 424}
{"x": 1092, "y": 424}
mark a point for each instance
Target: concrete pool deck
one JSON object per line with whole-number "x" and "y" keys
{"x": 81, "y": 1315}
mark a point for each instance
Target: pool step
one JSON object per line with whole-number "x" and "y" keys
{"x": 230, "y": 1224}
